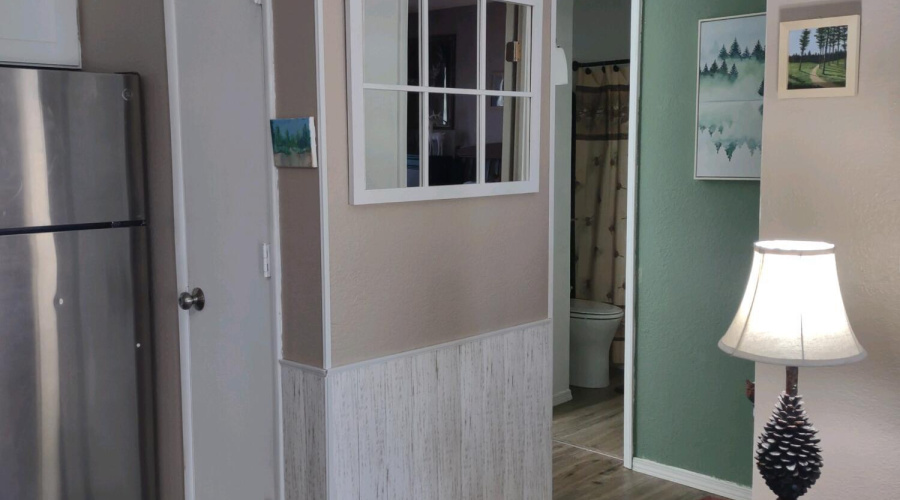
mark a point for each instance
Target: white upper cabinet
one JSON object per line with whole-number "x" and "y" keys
{"x": 39, "y": 33}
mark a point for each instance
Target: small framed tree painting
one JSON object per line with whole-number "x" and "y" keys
{"x": 731, "y": 69}
{"x": 819, "y": 58}
{"x": 294, "y": 142}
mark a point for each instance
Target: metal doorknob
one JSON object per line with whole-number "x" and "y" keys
{"x": 195, "y": 299}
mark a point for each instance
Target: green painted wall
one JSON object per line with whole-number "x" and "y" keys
{"x": 694, "y": 252}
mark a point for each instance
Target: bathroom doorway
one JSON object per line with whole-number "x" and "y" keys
{"x": 593, "y": 147}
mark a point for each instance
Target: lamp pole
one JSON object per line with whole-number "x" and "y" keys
{"x": 792, "y": 377}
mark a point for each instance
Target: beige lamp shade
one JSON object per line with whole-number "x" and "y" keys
{"x": 793, "y": 313}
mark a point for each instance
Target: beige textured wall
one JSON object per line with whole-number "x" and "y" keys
{"x": 409, "y": 275}
{"x": 301, "y": 249}
{"x": 830, "y": 172}
{"x": 129, "y": 35}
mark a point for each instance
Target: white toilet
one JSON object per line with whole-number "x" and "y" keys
{"x": 593, "y": 326}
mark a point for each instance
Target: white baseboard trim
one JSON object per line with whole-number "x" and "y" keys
{"x": 562, "y": 397}
{"x": 694, "y": 480}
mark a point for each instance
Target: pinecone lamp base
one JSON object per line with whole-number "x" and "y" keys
{"x": 787, "y": 453}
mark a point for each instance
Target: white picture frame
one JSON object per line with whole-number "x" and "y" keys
{"x": 850, "y": 50}
{"x": 752, "y": 171}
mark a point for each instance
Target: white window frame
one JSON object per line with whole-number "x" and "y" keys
{"x": 359, "y": 195}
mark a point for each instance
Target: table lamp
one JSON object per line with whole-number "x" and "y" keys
{"x": 792, "y": 314}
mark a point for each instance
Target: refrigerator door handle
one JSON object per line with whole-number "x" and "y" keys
{"x": 195, "y": 299}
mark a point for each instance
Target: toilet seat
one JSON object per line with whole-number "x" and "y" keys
{"x": 587, "y": 309}
{"x": 592, "y": 327}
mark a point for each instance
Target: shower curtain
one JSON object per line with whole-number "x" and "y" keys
{"x": 600, "y": 179}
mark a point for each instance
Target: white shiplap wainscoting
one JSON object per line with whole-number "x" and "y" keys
{"x": 468, "y": 419}
{"x": 303, "y": 407}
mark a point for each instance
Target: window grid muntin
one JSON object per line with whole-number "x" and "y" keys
{"x": 482, "y": 92}
{"x": 449, "y": 90}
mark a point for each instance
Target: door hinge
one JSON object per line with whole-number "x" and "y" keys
{"x": 257, "y": 2}
{"x": 267, "y": 266}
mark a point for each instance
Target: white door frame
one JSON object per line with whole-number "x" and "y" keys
{"x": 275, "y": 244}
{"x": 181, "y": 262}
{"x": 181, "y": 270}
{"x": 631, "y": 274}
{"x": 631, "y": 225}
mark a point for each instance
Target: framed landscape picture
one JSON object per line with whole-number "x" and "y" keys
{"x": 730, "y": 81}
{"x": 819, "y": 58}
{"x": 294, "y": 142}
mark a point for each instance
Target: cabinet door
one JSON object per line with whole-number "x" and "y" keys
{"x": 39, "y": 32}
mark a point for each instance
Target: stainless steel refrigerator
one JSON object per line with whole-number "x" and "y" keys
{"x": 75, "y": 355}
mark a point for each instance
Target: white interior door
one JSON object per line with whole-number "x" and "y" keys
{"x": 219, "y": 116}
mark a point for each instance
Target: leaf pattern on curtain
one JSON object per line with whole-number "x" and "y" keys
{"x": 601, "y": 180}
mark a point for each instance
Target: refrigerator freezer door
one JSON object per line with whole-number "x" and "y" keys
{"x": 70, "y": 425}
{"x": 70, "y": 148}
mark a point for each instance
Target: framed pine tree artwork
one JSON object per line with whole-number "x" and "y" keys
{"x": 731, "y": 67}
{"x": 819, "y": 58}
{"x": 294, "y": 142}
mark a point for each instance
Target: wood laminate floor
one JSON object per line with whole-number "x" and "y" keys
{"x": 593, "y": 419}
{"x": 588, "y": 448}
{"x": 584, "y": 475}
